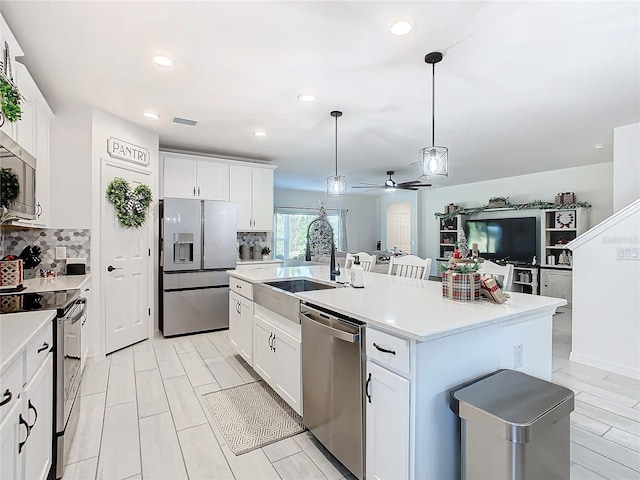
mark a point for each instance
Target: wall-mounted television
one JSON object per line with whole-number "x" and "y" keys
{"x": 512, "y": 239}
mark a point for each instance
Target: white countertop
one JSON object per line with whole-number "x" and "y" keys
{"x": 51, "y": 284}
{"x": 407, "y": 307}
{"x": 258, "y": 262}
{"x": 17, "y": 330}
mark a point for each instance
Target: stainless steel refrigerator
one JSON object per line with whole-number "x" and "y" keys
{"x": 198, "y": 239}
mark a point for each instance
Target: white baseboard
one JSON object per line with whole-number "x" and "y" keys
{"x": 613, "y": 367}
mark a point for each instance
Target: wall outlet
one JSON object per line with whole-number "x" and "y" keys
{"x": 517, "y": 356}
{"x": 61, "y": 253}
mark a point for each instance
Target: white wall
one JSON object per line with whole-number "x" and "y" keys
{"x": 389, "y": 198}
{"x": 70, "y": 168}
{"x": 592, "y": 183}
{"x": 626, "y": 165}
{"x": 606, "y": 304}
{"x": 103, "y": 126}
{"x": 362, "y": 218}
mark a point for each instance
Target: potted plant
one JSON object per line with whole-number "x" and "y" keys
{"x": 266, "y": 251}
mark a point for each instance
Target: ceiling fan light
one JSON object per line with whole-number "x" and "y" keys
{"x": 433, "y": 162}
{"x": 336, "y": 186}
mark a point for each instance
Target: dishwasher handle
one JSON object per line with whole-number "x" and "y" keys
{"x": 334, "y": 332}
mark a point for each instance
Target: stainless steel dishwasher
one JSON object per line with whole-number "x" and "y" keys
{"x": 333, "y": 366}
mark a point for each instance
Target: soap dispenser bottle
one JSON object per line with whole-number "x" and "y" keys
{"x": 357, "y": 273}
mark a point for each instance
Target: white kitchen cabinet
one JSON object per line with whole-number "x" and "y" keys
{"x": 38, "y": 404}
{"x": 85, "y": 329}
{"x": 189, "y": 176}
{"x": 26, "y": 427}
{"x": 387, "y": 429}
{"x": 252, "y": 189}
{"x": 241, "y": 325}
{"x": 276, "y": 357}
{"x": 556, "y": 283}
{"x": 26, "y": 126}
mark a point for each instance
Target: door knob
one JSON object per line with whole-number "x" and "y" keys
{"x": 111, "y": 268}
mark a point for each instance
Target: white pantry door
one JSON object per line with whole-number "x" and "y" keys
{"x": 125, "y": 268}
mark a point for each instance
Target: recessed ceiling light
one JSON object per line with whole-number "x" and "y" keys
{"x": 401, "y": 28}
{"x": 162, "y": 60}
{"x": 598, "y": 146}
{"x": 151, "y": 115}
{"x": 306, "y": 97}
{"x": 260, "y": 133}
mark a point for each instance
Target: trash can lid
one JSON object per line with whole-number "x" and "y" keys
{"x": 513, "y": 397}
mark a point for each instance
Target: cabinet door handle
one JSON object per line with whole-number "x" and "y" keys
{"x": 384, "y": 350}
{"x": 31, "y": 407}
{"x": 238, "y": 308}
{"x": 26, "y": 426}
{"x": 8, "y": 396}
{"x": 45, "y": 346}
{"x": 194, "y": 191}
{"x": 198, "y": 191}
{"x": 366, "y": 389}
{"x": 270, "y": 346}
{"x": 38, "y": 209}
{"x": 273, "y": 343}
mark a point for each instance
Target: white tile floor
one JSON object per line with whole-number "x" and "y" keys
{"x": 142, "y": 416}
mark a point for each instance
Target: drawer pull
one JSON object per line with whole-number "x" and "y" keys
{"x": 7, "y": 393}
{"x": 384, "y": 350}
{"x": 239, "y": 287}
{"x": 26, "y": 425}
{"x": 45, "y": 346}
{"x": 31, "y": 407}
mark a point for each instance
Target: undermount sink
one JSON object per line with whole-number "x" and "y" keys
{"x": 278, "y": 296}
{"x": 299, "y": 285}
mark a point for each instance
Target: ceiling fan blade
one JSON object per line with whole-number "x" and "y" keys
{"x": 368, "y": 186}
{"x": 407, "y": 188}
{"x": 409, "y": 183}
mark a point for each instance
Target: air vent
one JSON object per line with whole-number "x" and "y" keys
{"x": 184, "y": 121}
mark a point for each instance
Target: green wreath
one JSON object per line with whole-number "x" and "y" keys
{"x": 9, "y": 187}
{"x": 131, "y": 205}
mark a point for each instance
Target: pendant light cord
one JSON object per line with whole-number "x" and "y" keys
{"x": 433, "y": 105}
{"x": 336, "y": 146}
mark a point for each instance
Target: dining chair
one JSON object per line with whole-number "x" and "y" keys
{"x": 502, "y": 273}
{"x": 367, "y": 261}
{"x": 410, "y": 266}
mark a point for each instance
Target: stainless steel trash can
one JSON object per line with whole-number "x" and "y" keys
{"x": 513, "y": 426}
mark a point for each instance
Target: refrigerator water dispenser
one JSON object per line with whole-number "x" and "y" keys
{"x": 183, "y": 248}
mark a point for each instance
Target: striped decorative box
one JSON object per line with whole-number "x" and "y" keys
{"x": 462, "y": 287}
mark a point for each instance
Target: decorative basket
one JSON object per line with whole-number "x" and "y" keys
{"x": 10, "y": 272}
{"x": 10, "y": 303}
{"x": 566, "y": 198}
{"x": 462, "y": 287}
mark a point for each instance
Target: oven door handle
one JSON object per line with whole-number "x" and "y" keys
{"x": 78, "y": 316}
{"x": 339, "y": 334}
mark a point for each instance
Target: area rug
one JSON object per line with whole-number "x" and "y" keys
{"x": 251, "y": 416}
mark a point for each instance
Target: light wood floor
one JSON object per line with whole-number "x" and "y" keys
{"x": 142, "y": 416}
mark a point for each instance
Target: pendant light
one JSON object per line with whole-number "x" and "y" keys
{"x": 433, "y": 162}
{"x": 336, "y": 184}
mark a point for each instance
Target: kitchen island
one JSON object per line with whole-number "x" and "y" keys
{"x": 436, "y": 344}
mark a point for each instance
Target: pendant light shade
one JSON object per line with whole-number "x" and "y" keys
{"x": 434, "y": 160}
{"x": 336, "y": 184}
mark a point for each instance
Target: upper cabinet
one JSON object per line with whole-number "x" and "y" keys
{"x": 188, "y": 176}
{"x": 251, "y": 187}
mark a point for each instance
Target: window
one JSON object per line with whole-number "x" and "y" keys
{"x": 290, "y": 230}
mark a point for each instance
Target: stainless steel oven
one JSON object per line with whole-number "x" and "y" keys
{"x": 68, "y": 362}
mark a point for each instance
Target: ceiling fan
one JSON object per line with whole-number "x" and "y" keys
{"x": 390, "y": 184}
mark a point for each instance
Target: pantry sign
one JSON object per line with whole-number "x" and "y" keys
{"x": 127, "y": 151}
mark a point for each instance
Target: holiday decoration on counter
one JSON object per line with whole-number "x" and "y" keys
{"x": 131, "y": 205}
{"x": 492, "y": 290}
{"x": 463, "y": 246}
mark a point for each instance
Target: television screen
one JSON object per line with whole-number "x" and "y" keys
{"x": 512, "y": 239}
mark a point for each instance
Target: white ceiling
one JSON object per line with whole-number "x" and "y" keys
{"x": 524, "y": 86}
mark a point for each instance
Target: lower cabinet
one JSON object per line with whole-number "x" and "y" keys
{"x": 556, "y": 283}
{"x": 387, "y": 441}
{"x": 26, "y": 428}
{"x": 276, "y": 358}
{"x": 241, "y": 325}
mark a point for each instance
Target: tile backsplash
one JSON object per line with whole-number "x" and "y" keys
{"x": 76, "y": 241}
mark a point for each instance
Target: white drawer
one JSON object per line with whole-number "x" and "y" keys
{"x": 388, "y": 350}
{"x": 38, "y": 349}
{"x": 241, "y": 287}
{"x": 11, "y": 383}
